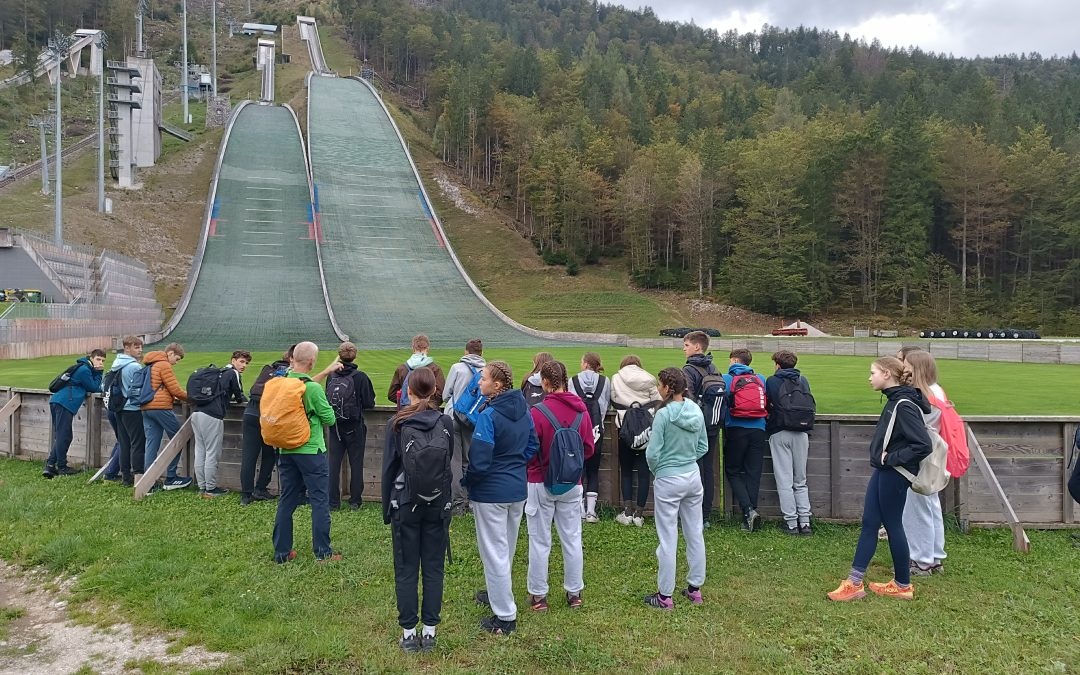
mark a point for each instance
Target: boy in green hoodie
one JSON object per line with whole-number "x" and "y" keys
{"x": 678, "y": 440}
{"x": 420, "y": 346}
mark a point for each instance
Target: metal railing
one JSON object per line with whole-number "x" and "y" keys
{"x": 35, "y": 167}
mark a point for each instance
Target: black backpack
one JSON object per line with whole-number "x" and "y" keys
{"x": 112, "y": 386}
{"x": 425, "y": 462}
{"x": 268, "y": 371}
{"x": 64, "y": 379}
{"x": 533, "y": 393}
{"x": 592, "y": 403}
{"x": 794, "y": 407}
{"x": 341, "y": 395}
{"x": 566, "y": 457}
{"x": 636, "y": 424}
{"x": 711, "y": 395}
{"x": 204, "y": 385}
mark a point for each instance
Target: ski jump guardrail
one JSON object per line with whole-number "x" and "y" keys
{"x": 309, "y": 33}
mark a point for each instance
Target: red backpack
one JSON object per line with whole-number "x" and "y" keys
{"x": 747, "y": 397}
{"x": 955, "y": 436}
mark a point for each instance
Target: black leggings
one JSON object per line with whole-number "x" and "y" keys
{"x": 419, "y": 537}
{"x": 1074, "y": 482}
{"x": 631, "y": 460}
{"x": 592, "y": 469}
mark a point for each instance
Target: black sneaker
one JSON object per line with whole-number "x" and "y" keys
{"x": 805, "y": 530}
{"x": 427, "y": 643}
{"x": 482, "y": 599}
{"x": 357, "y": 507}
{"x": 497, "y": 626}
{"x": 68, "y": 471}
{"x": 411, "y": 644}
{"x": 789, "y": 529}
{"x": 214, "y": 492}
{"x": 261, "y": 495}
{"x": 49, "y": 471}
{"x": 246, "y": 499}
{"x": 178, "y": 483}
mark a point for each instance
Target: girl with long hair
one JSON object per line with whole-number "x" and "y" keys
{"x": 924, "y": 524}
{"x": 592, "y": 387}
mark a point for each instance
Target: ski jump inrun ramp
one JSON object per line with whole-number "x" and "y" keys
{"x": 337, "y": 239}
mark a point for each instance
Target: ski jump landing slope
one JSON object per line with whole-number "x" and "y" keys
{"x": 390, "y": 272}
{"x": 255, "y": 281}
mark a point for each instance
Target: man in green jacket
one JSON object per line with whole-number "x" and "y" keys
{"x": 307, "y": 466}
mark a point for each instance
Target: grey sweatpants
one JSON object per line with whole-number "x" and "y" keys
{"x": 677, "y": 499}
{"x": 496, "y": 538}
{"x": 541, "y": 509}
{"x": 209, "y": 432}
{"x": 789, "y": 450}
{"x": 925, "y": 528}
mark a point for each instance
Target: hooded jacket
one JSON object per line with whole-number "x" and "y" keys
{"x": 745, "y": 423}
{"x": 678, "y": 439}
{"x": 392, "y": 491}
{"x": 163, "y": 381}
{"x": 415, "y": 361}
{"x": 772, "y": 394}
{"x": 565, "y": 407}
{"x": 84, "y": 380}
{"x": 693, "y": 375}
{"x": 232, "y": 390}
{"x": 461, "y": 373}
{"x": 503, "y": 441}
{"x": 129, "y": 369}
{"x": 365, "y": 393}
{"x": 632, "y": 384}
{"x": 590, "y": 380}
{"x": 910, "y": 442}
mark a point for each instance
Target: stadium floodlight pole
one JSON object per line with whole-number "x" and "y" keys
{"x": 184, "y": 63}
{"x": 103, "y": 41}
{"x": 213, "y": 47}
{"x": 58, "y": 48}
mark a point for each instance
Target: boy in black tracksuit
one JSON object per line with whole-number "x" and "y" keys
{"x": 420, "y": 532}
{"x": 349, "y": 437}
{"x": 254, "y": 451}
{"x": 695, "y": 346}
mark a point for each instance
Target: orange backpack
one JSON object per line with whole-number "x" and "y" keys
{"x": 282, "y": 418}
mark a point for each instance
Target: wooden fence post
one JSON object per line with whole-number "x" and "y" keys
{"x": 834, "y": 469}
{"x": 157, "y": 469}
{"x": 1067, "y": 434}
{"x": 10, "y": 412}
{"x": 1020, "y": 538}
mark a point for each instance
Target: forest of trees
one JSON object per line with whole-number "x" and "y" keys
{"x": 789, "y": 171}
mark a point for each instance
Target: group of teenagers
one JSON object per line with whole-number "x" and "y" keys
{"x": 470, "y": 441}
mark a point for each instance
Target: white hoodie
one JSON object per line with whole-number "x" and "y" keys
{"x": 632, "y": 384}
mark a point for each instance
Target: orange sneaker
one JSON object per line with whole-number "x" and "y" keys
{"x": 891, "y": 590}
{"x": 847, "y": 591}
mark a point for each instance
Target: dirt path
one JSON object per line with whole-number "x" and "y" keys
{"x": 37, "y": 635}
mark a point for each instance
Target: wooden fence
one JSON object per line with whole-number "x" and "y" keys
{"x": 1029, "y": 455}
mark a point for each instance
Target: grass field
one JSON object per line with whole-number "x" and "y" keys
{"x": 838, "y": 382}
{"x": 177, "y": 562}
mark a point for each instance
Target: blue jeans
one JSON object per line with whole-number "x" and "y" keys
{"x": 884, "y": 505}
{"x": 157, "y": 423}
{"x": 298, "y": 472}
{"x": 112, "y": 469}
{"x": 61, "y": 435}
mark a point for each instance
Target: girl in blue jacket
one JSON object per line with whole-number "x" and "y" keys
{"x": 502, "y": 444}
{"x": 65, "y": 404}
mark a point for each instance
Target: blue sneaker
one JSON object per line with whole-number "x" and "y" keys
{"x": 178, "y": 483}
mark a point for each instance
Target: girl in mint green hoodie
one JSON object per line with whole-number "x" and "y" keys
{"x": 678, "y": 440}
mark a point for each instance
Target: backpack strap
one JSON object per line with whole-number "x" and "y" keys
{"x": 888, "y": 437}
{"x": 577, "y": 385}
{"x": 551, "y": 417}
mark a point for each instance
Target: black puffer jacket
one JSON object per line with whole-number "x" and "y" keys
{"x": 910, "y": 442}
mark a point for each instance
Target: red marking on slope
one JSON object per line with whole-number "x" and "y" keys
{"x": 438, "y": 235}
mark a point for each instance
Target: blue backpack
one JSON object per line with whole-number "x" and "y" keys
{"x": 403, "y": 393}
{"x": 566, "y": 457}
{"x": 141, "y": 392}
{"x": 467, "y": 403}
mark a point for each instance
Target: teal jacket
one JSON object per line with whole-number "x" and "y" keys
{"x": 678, "y": 439}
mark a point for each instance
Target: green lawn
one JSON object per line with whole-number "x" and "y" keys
{"x": 175, "y": 561}
{"x": 839, "y": 382}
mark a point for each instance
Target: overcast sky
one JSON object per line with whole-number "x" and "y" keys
{"x": 960, "y": 27}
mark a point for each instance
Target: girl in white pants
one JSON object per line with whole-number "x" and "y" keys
{"x": 678, "y": 440}
{"x": 923, "y": 521}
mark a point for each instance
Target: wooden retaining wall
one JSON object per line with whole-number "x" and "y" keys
{"x": 1028, "y": 454}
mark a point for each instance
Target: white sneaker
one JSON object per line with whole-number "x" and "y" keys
{"x": 639, "y": 521}
{"x": 624, "y": 518}
{"x": 591, "y": 518}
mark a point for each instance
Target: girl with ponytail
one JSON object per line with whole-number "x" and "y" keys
{"x": 900, "y": 439}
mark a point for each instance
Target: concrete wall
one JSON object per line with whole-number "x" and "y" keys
{"x": 1028, "y": 455}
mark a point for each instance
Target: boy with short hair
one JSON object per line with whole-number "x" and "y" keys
{"x": 420, "y": 346}
{"x": 744, "y": 444}
{"x": 699, "y": 363}
{"x": 208, "y": 424}
{"x": 348, "y": 435}
{"x": 459, "y": 377}
{"x": 159, "y": 420}
{"x": 129, "y": 419}
{"x": 63, "y": 406}
{"x": 788, "y": 447}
